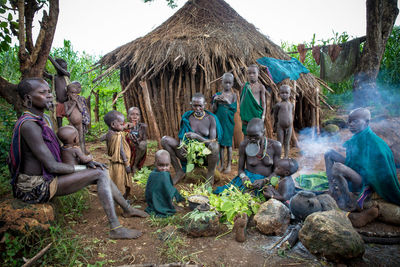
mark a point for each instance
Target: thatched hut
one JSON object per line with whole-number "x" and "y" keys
{"x": 188, "y": 53}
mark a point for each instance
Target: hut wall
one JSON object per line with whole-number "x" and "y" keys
{"x": 171, "y": 90}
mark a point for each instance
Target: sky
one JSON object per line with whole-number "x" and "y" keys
{"x": 100, "y": 26}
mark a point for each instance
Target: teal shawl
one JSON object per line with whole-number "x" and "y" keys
{"x": 249, "y": 107}
{"x": 371, "y": 157}
{"x": 159, "y": 194}
{"x": 226, "y": 113}
{"x": 185, "y": 125}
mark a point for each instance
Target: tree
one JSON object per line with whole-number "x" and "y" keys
{"x": 381, "y": 15}
{"x": 32, "y": 56}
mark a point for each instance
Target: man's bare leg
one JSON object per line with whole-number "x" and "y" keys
{"x": 68, "y": 184}
{"x": 171, "y": 145}
{"x": 221, "y": 158}
{"x": 280, "y": 135}
{"x": 212, "y": 160}
{"x": 229, "y": 164}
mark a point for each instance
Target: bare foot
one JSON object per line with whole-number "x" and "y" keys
{"x": 239, "y": 228}
{"x": 178, "y": 176}
{"x": 360, "y": 219}
{"x": 227, "y": 169}
{"x": 125, "y": 233}
{"x": 132, "y": 212}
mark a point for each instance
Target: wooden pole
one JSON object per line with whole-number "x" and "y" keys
{"x": 149, "y": 111}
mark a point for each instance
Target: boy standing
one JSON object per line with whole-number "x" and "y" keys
{"x": 283, "y": 118}
{"x": 119, "y": 152}
{"x": 252, "y": 98}
{"x": 224, "y": 106}
{"x": 159, "y": 188}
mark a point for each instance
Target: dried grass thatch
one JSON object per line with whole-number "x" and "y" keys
{"x": 188, "y": 53}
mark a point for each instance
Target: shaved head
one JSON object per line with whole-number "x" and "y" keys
{"x": 161, "y": 153}
{"x": 362, "y": 113}
{"x": 256, "y": 124}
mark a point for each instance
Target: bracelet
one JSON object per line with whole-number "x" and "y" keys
{"x": 242, "y": 175}
{"x": 116, "y": 228}
{"x": 78, "y": 168}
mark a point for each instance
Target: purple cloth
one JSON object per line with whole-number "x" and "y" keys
{"x": 49, "y": 137}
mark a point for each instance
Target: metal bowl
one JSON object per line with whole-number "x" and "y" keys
{"x": 197, "y": 200}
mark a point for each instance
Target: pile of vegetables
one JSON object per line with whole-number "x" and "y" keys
{"x": 195, "y": 153}
{"x": 141, "y": 176}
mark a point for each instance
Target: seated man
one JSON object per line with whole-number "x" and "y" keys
{"x": 257, "y": 158}
{"x": 37, "y": 171}
{"x": 200, "y": 125}
{"x": 368, "y": 166}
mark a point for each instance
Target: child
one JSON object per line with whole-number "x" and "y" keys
{"x": 224, "y": 105}
{"x": 283, "y": 118}
{"x": 77, "y": 111}
{"x": 285, "y": 188}
{"x": 119, "y": 152}
{"x": 137, "y": 139}
{"x": 252, "y": 98}
{"x": 71, "y": 152}
{"x": 159, "y": 188}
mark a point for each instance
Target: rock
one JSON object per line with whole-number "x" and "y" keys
{"x": 23, "y": 218}
{"x": 389, "y": 213}
{"x": 339, "y": 122}
{"x": 327, "y": 202}
{"x": 330, "y": 234}
{"x": 272, "y": 218}
{"x": 203, "y": 223}
{"x": 331, "y": 128}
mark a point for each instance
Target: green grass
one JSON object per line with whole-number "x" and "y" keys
{"x": 160, "y": 222}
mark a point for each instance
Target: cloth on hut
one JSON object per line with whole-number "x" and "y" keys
{"x": 237, "y": 181}
{"x": 132, "y": 146}
{"x": 371, "y": 157}
{"x": 249, "y": 107}
{"x": 345, "y": 64}
{"x": 14, "y": 157}
{"x": 316, "y": 53}
{"x": 117, "y": 167}
{"x": 313, "y": 182}
{"x": 301, "y": 48}
{"x": 334, "y": 51}
{"x": 160, "y": 193}
{"x": 282, "y": 69}
{"x": 185, "y": 125}
{"x": 226, "y": 113}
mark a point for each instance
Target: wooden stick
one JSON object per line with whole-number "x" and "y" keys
{"x": 37, "y": 256}
{"x": 149, "y": 110}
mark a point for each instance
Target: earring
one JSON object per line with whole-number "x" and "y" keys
{"x": 28, "y": 103}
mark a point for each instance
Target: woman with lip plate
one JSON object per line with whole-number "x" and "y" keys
{"x": 257, "y": 155}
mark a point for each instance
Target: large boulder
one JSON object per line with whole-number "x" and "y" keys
{"x": 330, "y": 234}
{"x": 272, "y": 218}
{"x": 389, "y": 213}
{"x": 23, "y": 218}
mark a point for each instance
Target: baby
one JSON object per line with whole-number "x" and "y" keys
{"x": 159, "y": 188}
{"x": 284, "y": 188}
{"x": 118, "y": 151}
{"x": 283, "y": 118}
{"x": 71, "y": 152}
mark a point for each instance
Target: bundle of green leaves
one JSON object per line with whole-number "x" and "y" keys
{"x": 141, "y": 176}
{"x": 233, "y": 201}
{"x": 195, "y": 153}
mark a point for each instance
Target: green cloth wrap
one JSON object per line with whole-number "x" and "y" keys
{"x": 249, "y": 107}
{"x": 185, "y": 124}
{"x": 313, "y": 182}
{"x": 159, "y": 194}
{"x": 371, "y": 157}
{"x": 226, "y": 113}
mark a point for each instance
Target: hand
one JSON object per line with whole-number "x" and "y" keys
{"x": 244, "y": 179}
{"x": 128, "y": 169}
{"x": 128, "y": 125}
{"x": 94, "y": 164}
{"x": 257, "y": 184}
{"x": 268, "y": 192}
{"x": 191, "y": 135}
{"x": 90, "y": 157}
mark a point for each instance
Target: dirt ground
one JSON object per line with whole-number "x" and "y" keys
{"x": 208, "y": 251}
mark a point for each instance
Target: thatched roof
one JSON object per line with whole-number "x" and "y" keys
{"x": 197, "y": 31}
{"x": 188, "y": 53}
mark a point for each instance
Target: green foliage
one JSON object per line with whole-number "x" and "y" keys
{"x": 389, "y": 73}
{"x": 141, "y": 176}
{"x": 72, "y": 206}
{"x": 232, "y": 201}
{"x": 8, "y": 25}
{"x": 161, "y": 222}
{"x": 170, "y": 3}
{"x": 196, "y": 215}
{"x": 9, "y": 65}
{"x": 195, "y": 153}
